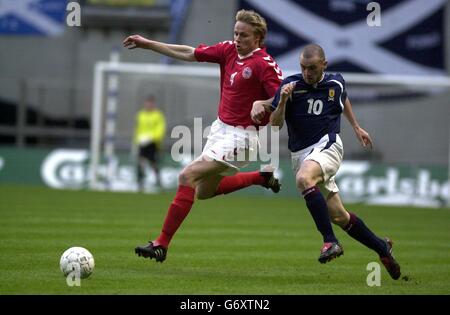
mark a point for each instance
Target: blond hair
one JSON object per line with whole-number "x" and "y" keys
{"x": 254, "y": 19}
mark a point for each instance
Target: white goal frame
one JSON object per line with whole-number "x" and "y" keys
{"x": 104, "y": 69}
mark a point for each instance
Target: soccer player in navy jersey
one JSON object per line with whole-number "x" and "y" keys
{"x": 311, "y": 103}
{"x": 247, "y": 73}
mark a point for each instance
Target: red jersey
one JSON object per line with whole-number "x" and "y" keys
{"x": 242, "y": 80}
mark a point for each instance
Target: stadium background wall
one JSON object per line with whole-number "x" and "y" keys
{"x": 359, "y": 181}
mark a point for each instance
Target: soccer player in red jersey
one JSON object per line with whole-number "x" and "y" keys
{"x": 247, "y": 73}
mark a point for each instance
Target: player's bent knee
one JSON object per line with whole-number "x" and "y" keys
{"x": 340, "y": 220}
{"x": 186, "y": 177}
{"x": 304, "y": 181}
{"x": 203, "y": 195}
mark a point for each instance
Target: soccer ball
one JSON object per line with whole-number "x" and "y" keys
{"x": 78, "y": 260}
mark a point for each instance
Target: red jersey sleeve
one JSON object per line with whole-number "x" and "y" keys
{"x": 214, "y": 54}
{"x": 271, "y": 78}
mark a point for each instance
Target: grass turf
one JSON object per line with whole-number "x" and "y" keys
{"x": 227, "y": 245}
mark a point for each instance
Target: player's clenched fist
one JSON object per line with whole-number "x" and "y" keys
{"x": 258, "y": 112}
{"x": 286, "y": 90}
{"x": 135, "y": 41}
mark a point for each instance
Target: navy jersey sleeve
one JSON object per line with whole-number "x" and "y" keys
{"x": 276, "y": 98}
{"x": 344, "y": 89}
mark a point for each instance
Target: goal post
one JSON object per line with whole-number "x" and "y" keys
{"x": 102, "y": 70}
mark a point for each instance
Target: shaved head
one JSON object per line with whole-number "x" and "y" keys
{"x": 312, "y": 63}
{"x": 313, "y": 50}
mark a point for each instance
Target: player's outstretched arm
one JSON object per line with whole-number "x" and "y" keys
{"x": 362, "y": 135}
{"x": 180, "y": 52}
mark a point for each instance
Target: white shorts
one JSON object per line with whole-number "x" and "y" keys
{"x": 328, "y": 154}
{"x": 233, "y": 146}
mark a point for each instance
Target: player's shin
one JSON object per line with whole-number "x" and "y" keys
{"x": 318, "y": 208}
{"x": 178, "y": 210}
{"x": 360, "y": 232}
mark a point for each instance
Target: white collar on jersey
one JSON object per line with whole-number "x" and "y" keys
{"x": 249, "y": 54}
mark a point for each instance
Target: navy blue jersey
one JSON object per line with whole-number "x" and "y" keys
{"x": 313, "y": 111}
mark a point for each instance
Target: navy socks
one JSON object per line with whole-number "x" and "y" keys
{"x": 360, "y": 232}
{"x": 318, "y": 208}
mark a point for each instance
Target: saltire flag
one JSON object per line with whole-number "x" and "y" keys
{"x": 32, "y": 17}
{"x": 409, "y": 41}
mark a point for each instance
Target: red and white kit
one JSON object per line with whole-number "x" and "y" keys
{"x": 243, "y": 80}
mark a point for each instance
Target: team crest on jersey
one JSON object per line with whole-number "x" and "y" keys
{"x": 247, "y": 73}
{"x": 331, "y": 94}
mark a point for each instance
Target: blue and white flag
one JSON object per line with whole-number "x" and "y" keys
{"x": 410, "y": 39}
{"x": 32, "y": 17}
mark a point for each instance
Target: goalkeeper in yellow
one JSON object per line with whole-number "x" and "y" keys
{"x": 148, "y": 137}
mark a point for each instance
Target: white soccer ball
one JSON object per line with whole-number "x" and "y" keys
{"x": 77, "y": 260}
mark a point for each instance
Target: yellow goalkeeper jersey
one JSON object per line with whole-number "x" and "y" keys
{"x": 150, "y": 127}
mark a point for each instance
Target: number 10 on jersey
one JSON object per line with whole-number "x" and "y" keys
{"x": 315, "y": 106}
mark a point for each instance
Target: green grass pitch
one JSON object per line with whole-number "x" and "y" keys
{"x": 227, "y": 245}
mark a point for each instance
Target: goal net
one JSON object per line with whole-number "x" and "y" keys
{"x": 185, "y": 94}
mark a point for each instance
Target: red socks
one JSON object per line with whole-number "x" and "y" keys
{"x": 241, "y": 180}
{"x": 184, "y": 198}
{"x": 178, "y": 210}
